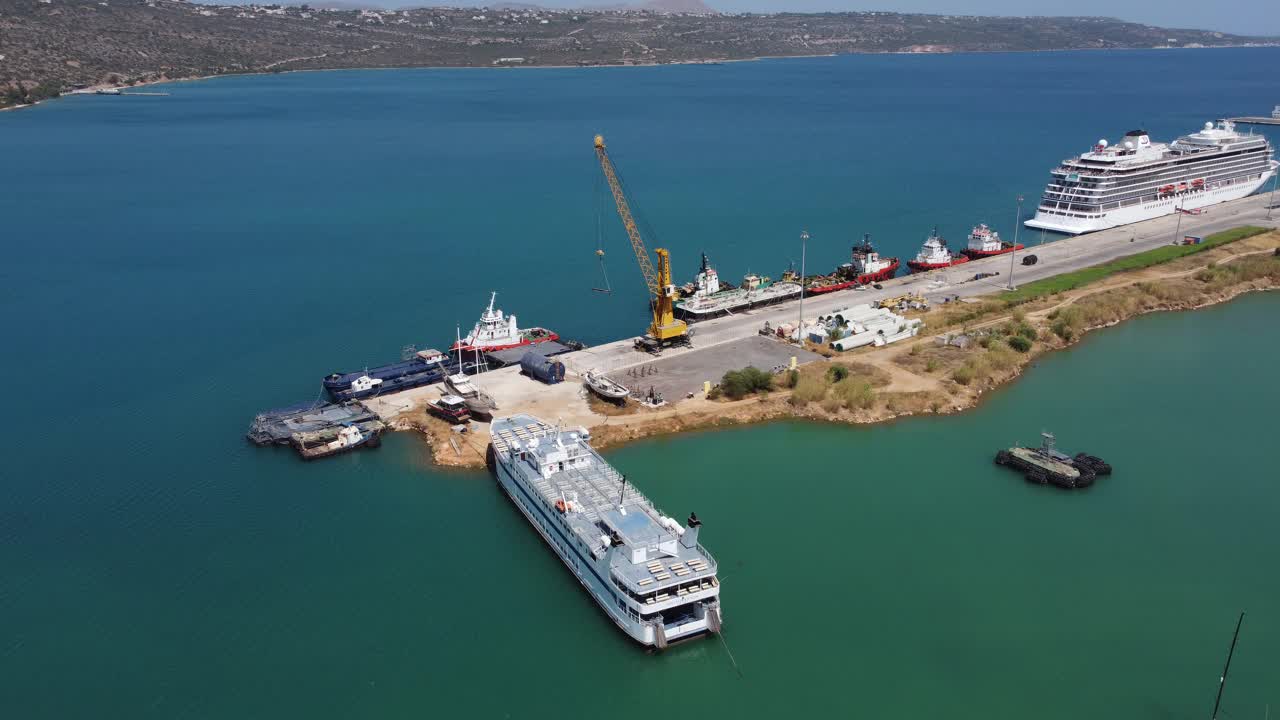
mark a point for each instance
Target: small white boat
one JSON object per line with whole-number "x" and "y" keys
{"x": 606, "y": 388}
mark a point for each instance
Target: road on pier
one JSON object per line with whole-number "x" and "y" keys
{"x": 1055, "y": 257}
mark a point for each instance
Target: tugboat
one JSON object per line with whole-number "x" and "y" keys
{"x": 709, "y": 296}
{"x": 349, "y": 438}
{"x": 934, "y": 255}
{"x": 985, "y": 242}
{"x": 606, "y": 388}
{"x": 495, "y": 332}
{"x": 867, "y": 268}
{"x": 1046, "y": 465}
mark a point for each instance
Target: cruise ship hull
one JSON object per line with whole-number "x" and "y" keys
{"x": 1195, "y": 200}
{"x": 590, "y": 573}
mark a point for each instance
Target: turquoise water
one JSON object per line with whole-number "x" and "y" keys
{"x": 175, "y": 264}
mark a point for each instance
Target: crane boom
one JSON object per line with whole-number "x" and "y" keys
{"x": 628, "y": 222}
{"x": 665, "y": 327}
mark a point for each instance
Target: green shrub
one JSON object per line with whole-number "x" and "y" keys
{"x": 737, "y": 384}
{"x": 836, "y": 373}
{"x": 931, "y": 365}
{"x": 963, "y": 374}
{"x": 793, "y": 378}
{"x": 1020, "y": 343}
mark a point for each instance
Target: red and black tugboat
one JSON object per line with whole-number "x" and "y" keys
{"x": 985, "y": 242}
{"x": 867, "y": 267}
{"x": 934, "y": 255}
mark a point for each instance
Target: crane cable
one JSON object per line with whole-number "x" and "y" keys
{"x": 604, "y": 272}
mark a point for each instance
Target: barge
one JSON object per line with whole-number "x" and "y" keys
{"x": 709, "y": 297}
{"x": 1047, "y": 465}
{"x": 421, "y": 367}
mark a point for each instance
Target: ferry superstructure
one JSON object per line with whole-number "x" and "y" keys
{"x": 1137, "y": 179}
{"x": 646, "y": 571}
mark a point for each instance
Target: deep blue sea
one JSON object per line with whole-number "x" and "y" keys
{"x": 174, "y": 264}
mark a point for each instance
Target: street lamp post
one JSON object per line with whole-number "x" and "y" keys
{"x": 804, "y": 240}
{"x": 1177, "y": 232}
{"x": 1271, "y": 201}
{"x": 1017, "y": 225}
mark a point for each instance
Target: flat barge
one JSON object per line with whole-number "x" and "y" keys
{"x": 1046, "y": 465}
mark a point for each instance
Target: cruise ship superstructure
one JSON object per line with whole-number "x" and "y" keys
{"x": 646, "y": 571}
{"x": 1137, "y": 179}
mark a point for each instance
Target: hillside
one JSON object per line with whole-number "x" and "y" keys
{"x": 50, "y": 46}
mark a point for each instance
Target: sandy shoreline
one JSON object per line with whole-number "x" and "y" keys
{"x": 705, "y": 61}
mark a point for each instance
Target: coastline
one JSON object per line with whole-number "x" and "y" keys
{"x": 89, "y": 90}
{"x": 899, "y": 386}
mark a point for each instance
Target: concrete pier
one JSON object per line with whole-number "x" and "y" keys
{"x": 732, "y": 342}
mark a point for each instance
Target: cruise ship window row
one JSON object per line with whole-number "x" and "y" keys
{"x": 1131, "y": 200}
{"x": 1164, "y": 177}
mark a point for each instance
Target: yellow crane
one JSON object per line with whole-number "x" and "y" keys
{"x": 665, "y": 329}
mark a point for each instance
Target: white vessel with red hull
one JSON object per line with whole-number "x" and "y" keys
{"x": 496, "y": 331}
{"x": 934, "y": 255}
{"x": 985, "y": 242}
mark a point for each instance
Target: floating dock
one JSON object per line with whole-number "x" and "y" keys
{"x": 1256, "y": 120}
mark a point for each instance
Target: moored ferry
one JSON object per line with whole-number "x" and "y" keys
{"x": 934, "y": 255}
{"x": 985, "y": 242}
{"x": 1137, "y": 179}
{"x": 647, "y": 572}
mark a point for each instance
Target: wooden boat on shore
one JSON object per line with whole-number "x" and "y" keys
{"x": 605, "y": 388}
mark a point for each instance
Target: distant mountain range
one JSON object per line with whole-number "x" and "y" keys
{"x": 49, "y": 46}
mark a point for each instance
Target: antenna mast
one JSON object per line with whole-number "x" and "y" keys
{"x": 1222, "y": 683}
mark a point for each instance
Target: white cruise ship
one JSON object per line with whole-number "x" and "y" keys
{"x": 646, "y": 571}
{"x": 1137, "y": 179}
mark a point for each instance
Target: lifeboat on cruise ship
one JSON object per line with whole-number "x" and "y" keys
{"x": 1198, "y": 183}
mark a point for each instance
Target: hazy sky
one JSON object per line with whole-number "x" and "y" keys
{"x": 1249, "y": 17}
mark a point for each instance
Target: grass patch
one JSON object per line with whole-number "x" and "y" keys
{"x": 1079, "y": 278}
{"x": 854, "y": 393}
{"x": 808, "y": 389}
